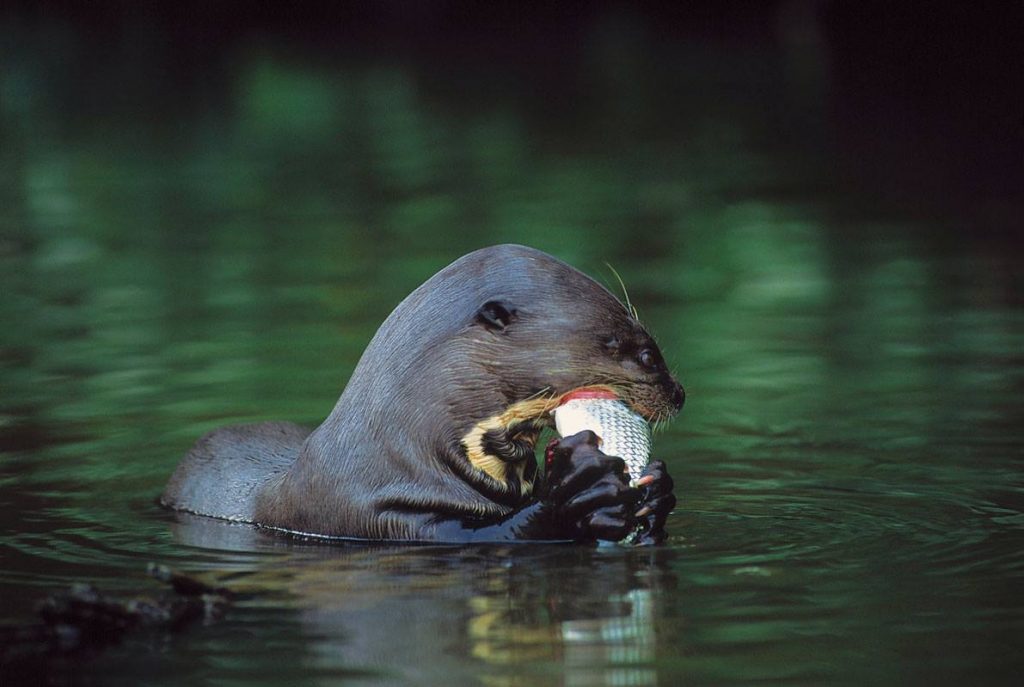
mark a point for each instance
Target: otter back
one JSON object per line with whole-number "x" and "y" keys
{"x": 222, "y": 474}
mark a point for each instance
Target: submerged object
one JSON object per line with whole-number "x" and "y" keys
{"x": 623, "y": 433}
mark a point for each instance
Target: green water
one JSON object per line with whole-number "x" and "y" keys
{"x": 848, "y": 461}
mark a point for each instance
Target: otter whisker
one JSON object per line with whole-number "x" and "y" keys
{"x": 625, "y": 294}
{"x": 545, "y": 393}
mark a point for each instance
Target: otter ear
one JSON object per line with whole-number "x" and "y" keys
{"x": 495, "y": 315}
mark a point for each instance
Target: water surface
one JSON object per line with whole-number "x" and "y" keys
{"x": 851, "y": 502}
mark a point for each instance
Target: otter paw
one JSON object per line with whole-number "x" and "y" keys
{"x": 656, "y": 502}
{"x": 589, "y": 491}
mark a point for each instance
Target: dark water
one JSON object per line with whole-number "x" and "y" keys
{"x": 179, "y": 258}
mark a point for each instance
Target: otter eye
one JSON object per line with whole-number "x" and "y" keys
{"x": 495, "y": 315}
{"x": 648, "y": 359}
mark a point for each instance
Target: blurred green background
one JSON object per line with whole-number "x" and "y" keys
{"x": 206, "y": 209}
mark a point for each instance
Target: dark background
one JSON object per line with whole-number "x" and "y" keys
{"x": 917, "y": 103}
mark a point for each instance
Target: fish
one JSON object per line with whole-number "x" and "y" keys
{"x": 622, "y": 432}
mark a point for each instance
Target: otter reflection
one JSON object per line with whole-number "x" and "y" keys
{"x": 497, "y": 615}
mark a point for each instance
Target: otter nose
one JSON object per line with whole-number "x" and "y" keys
{"x": 678, "y": 396}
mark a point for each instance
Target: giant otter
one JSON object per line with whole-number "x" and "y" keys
{"x": 433, "y": 438}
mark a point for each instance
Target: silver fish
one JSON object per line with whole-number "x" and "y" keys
{"x": 623, "y": 433}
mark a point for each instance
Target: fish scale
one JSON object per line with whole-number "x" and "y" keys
{"x": 623, "y": 433}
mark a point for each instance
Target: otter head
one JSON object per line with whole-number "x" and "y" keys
{"x": 481, "y": 353}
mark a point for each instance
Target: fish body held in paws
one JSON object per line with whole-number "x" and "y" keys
{"x": 623, "y": 433}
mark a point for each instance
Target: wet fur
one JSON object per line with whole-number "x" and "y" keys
{"x": 388, "y": 462}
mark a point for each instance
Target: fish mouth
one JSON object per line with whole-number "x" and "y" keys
{"x": 499, "y": 445}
